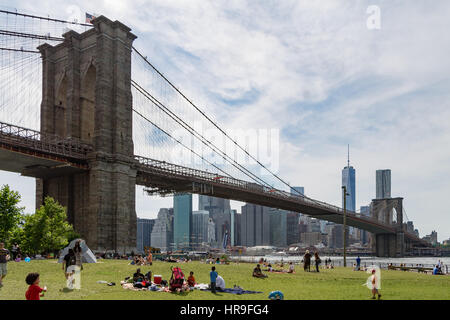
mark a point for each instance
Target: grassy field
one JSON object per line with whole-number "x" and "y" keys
{"x": 339, "y": 283}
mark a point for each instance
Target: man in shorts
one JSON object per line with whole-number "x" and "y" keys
{"x": 4, "y": 257}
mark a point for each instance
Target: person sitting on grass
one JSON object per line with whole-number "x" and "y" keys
{"x": 271, "y": 269}
{"x": 138, "y": 276}
{"x": 291, "y": 268}
{"x": 220, "y": 283}
{"x": 191, "y": 279}
{"x": 34, "y": 292}
{"x": 257, "y": 273}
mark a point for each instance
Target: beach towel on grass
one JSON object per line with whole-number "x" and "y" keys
{"x": 233, "y": 290}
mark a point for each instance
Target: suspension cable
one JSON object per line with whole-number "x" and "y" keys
{"x": 199, "y": 136}
{"x": 211, "y": 121}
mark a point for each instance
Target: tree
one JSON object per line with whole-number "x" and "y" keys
{"x": 47, "y": 230}
{"x": 10, "y": 212}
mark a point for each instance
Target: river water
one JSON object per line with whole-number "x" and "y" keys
{"x": 338, "y": 260}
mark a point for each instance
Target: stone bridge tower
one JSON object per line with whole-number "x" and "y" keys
{"x": 388, "y": 211}
{"x": 87, "y": 96}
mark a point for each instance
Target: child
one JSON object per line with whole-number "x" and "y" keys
{"x": 291, "y": 268}
{"x": 34, "y": 291}
{"x": 191, "y": 279}
{"x": 375, "y": 285}
{"x": 213, "y": 276}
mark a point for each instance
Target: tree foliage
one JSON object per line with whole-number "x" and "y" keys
{"x": 47, "y": 230}
{"x": 10, "y": 212}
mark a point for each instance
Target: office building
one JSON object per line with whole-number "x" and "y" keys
{"x": 219, "y": 210}
{"x": 200, "y": 221}
{"x": 182, "y": 222}
{"x": 278, "y": 227}
{"x": 162, "y": 232}
{"x": 292, "y": 228}
{"x": 144, "y": 233}
{"x": 255, "y": 225}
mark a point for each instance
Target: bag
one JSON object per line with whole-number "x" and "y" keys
{"x": 177, "y": 273}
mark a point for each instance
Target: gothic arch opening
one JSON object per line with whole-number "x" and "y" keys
{"x": 87, "y": 105}
{"x": 60, "y": 109}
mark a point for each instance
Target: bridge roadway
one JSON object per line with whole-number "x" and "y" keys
{"x": 28, "y": 152}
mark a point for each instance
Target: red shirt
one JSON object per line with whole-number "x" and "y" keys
{"x": 33, "y": 292}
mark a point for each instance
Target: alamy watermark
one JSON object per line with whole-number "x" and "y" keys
{"x": 373, "y": 22}
{"x": 245, "y": 147}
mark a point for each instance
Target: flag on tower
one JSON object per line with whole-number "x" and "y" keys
{"x": 89, "y": 18}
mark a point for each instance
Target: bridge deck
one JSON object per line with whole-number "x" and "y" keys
{"x": 29, "y": 153}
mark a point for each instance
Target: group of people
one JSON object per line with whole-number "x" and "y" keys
{"x": 177, "y": 282}
{"x": 438, "y": 268}
{"x": 307, "y": 261}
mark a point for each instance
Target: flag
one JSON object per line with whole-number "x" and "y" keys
{"x": 89, "y": 18}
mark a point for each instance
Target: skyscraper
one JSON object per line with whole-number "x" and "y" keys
{"x": 278, "y": 227}
{"x": 348, "y": 180}
{"x": 199, "y": 228}
{"x": 144, "y": 232}
{"x": 162, "y": 232}
{"x": 383, "y": 184}
{"x": 182, "y": 222}
{"x": 255, "y": 225}
{"x": 292, "y": 228}
{"x": 220, "y": 212}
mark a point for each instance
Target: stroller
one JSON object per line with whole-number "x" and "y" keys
{"x": 176, "y": 280}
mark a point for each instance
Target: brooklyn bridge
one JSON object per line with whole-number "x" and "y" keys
{"x": 90, "y": 117}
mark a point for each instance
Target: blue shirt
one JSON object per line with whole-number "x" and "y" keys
{"x": 213, "y": 275}
{"x": 358, "y": 260}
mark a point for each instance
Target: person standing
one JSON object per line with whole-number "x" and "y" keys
{"x": 78, "y": 254}
{"x": 213, "y": 277}
{"x": 34, "y": 292}
{"x": 317, "y": 260}
{"x": 4, "y": 257}
{"x": 68, "y": 260}
{"x": 150, "y": 257}
{"x": 358, "y": 263}
{"x": 307, "y": 261}
{"x": 14, "y": 250}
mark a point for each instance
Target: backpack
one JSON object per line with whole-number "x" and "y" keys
{"x": 177, "y": 273}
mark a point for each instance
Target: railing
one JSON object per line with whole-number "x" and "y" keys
{"x": 16, "y": 136}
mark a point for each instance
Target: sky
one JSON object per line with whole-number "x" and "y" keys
{"x": 319, "y": 72}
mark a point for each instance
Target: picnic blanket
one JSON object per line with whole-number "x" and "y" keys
{"x": 233, "y": 290}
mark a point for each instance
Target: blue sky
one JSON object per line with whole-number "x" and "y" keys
{"x": 313, "y": 70}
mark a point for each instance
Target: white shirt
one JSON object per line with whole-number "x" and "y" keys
{"x": 220, "y": 283}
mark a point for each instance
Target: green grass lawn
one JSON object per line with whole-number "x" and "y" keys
{"x": 339, "y": 283}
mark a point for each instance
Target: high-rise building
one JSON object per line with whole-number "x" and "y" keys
{"x": 292, "y": 228}
{"x": 213, "y": 205}
{"x": 162, "y": 232}
{"x": 182, "y": 222}
{"x": 237, "y": 229}
{"x": 383, "y": 184}
{"x": 200, "y": 221}
{"x": 348, "y": 180}
{"x": 278, "y": 227}
{"x": 255, "y": 225}
{"x": 233, "y": 214}
{"x": 144, "y": 233}
{"x": 219, "y": 211}
{"x": 364, "y": 211}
